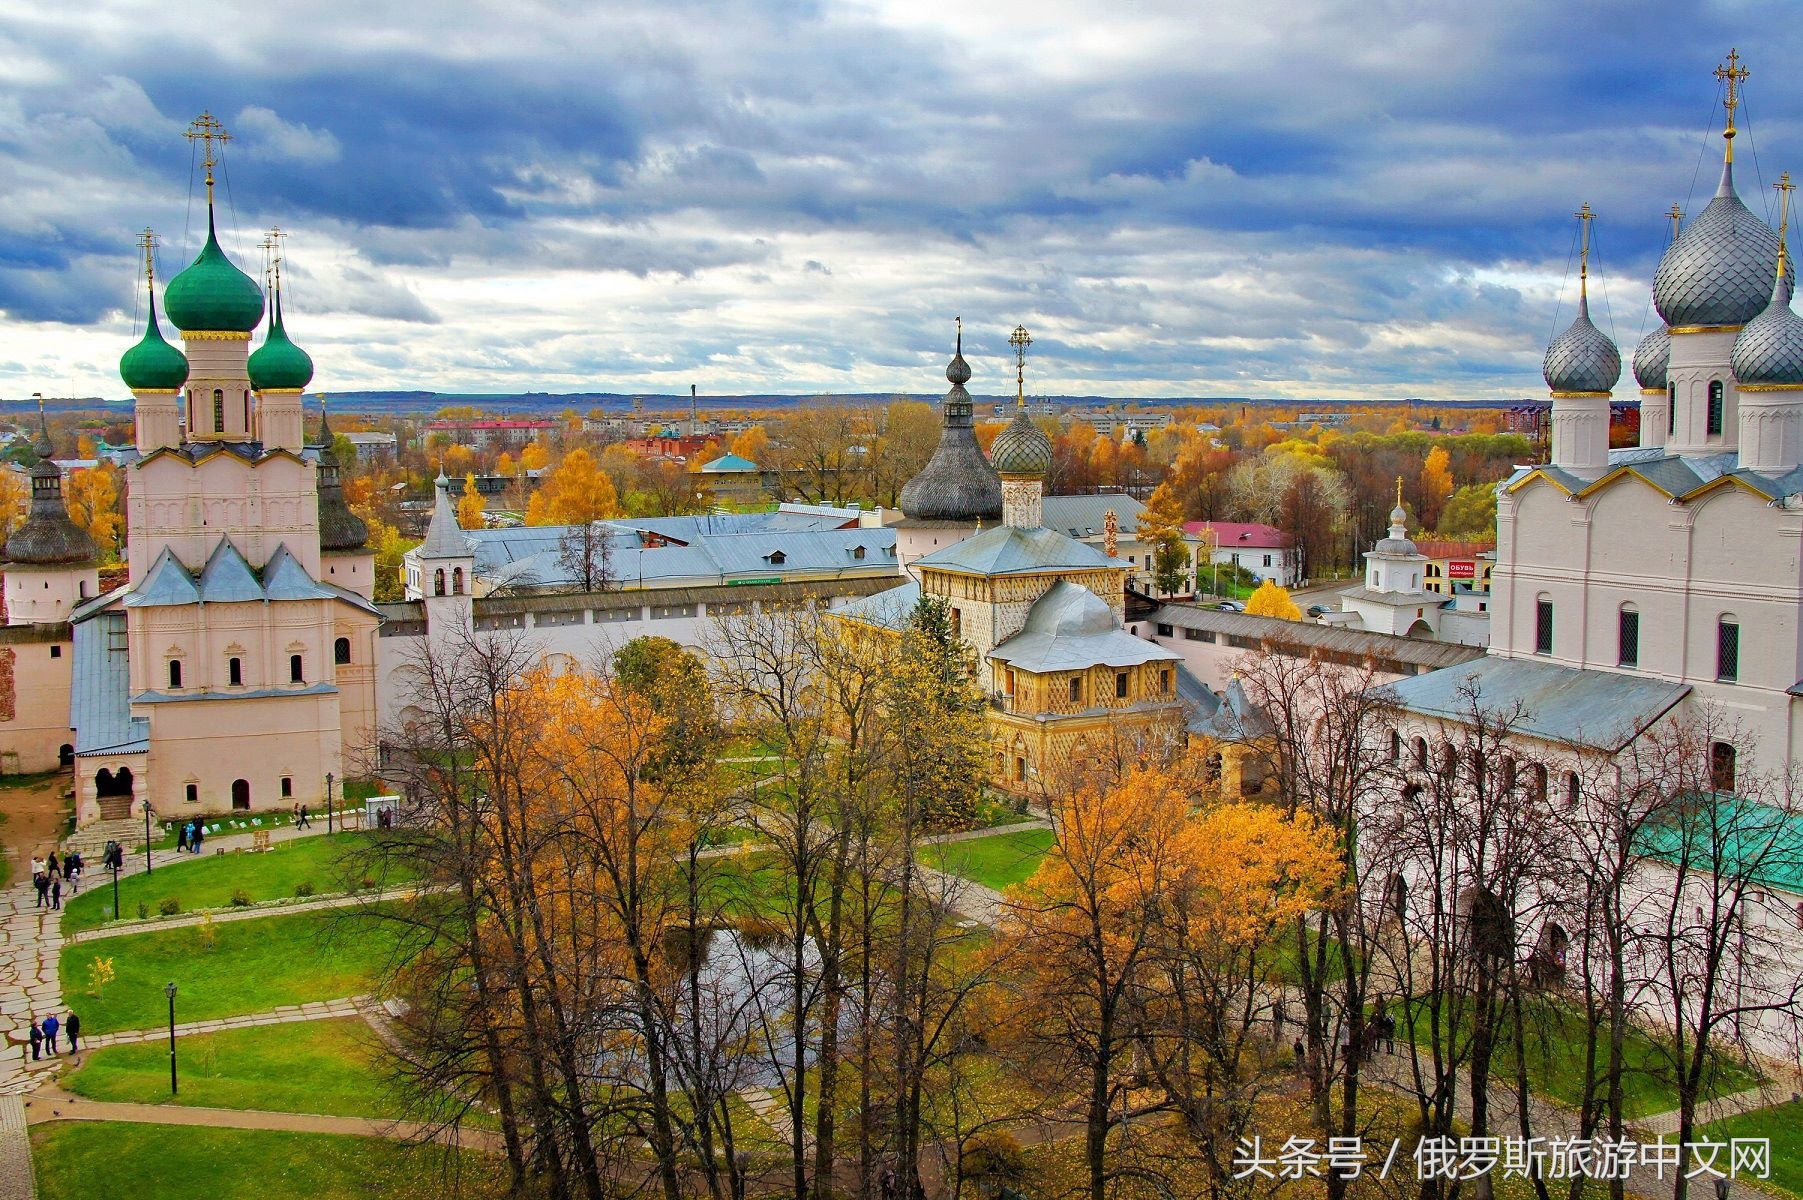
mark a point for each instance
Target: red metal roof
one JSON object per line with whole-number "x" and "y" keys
{"x": 495, "y": 423}
{"x": 1246, "y": 535}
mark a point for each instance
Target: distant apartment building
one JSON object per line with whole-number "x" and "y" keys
{"x": 373, "y": 447}
{"x": 1454, "y": 567}
{"x": 489, "y": 432}
{"x": 678, "y": 447}
{"x": 1264, "y": 550}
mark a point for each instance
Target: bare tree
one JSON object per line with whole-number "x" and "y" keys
{"x": 585, "y": 551}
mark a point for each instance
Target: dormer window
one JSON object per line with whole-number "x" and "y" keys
{"x": 776, "y": 558}
{"x": 857, "y": 552}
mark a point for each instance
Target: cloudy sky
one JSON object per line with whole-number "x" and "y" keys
{"x": 1206, "y": 198}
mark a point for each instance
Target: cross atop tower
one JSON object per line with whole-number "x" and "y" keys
{"x": 1676, "y": 216}
{"x": 1785, "y": 188}
{"x": 1733, "y": 75}
{"x": 1020, "y": 340}
{"x": 1585, "y": 215}
{"x": 206, "y": 129}
{"x": 147, "y": 242}
{"x": 272, "y": 255}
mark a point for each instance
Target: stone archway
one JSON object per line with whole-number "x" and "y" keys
{"x": 241, "y": 793}
{"x": 113, "y": 792}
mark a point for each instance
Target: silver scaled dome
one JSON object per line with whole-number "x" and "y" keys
{"x": 1581, "y": 359}
{"x": 957, "y": 484}
{"x": 1768, "y": 351}
{"x": 1651, "y": 358}
{"x": 1719, "y": 270}
{"x": 1398, "y": 542}
{"x": 1021, "y": 449}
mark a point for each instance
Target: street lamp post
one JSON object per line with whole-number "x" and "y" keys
{"x": 113, "y": 862}
{"x": 147, "y": 837}
{"x": 170, "y": 992}
{"x": 328, "y": 802}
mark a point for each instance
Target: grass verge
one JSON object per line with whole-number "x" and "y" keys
{"x": 1782, "y": 1124}
{"x": 998, "y": 861}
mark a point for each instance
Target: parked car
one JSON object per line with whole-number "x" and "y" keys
{"x": 1231, "y": 606}
{"x": 1318, "y": 610}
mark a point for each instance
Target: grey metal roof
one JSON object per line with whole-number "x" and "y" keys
{"x": 168, "y": 583}
{"x": 1604, "y": 710}
{"x": 1071, "y": 628}
{"x": 285, "y": 579}
{"x": 1719, "y": 269}
{"x": 1651, "y": 358}
{"x": 1423, "y": 599}
{"x": 48, "y": 536}
{"x": 227, "y": 578}
{"x": 1234, "y": 719}
{"x": 1083, "y": 516}
{"x": 1768, "y": 351}
{"x": 1304, "y": 637}
{"x": 312, "y": 689}
{"x": 1005, "y": 550}
{"x": 443, "y": 537}
{"x": 100, "y": 706}
{"x": 1581, "y": 359}
{"x": 886, "y": 610}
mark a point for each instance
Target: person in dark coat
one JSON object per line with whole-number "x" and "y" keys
{"x": 52, "y": 866}
{"x": 56, "y": 891}
{"x": 200, "y": 835}
{"x": 302, "y": 822}
{"x": 51, "y": 1025}
{"x": 72, "y": 1030}
{"x": 41, "y": 881}
{"x": 181, "y": 838}
{"x": 37, "y": 1039}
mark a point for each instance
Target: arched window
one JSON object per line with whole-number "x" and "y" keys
{"x": 1722, "y": 766}
{"x": 1509, "y": 770}
{"x": 1627, "y": 643}
{"x": 234, "y": 672}
{"x": 1727, "y": 648}
{"x": 1395, "y": 747}
{"x": 1420, "y": 747}
{"x": 457, "y": 581}
{"x": 295, "y": 672}
{"x": 218, "y": 411}
{"x": 1537, "y": 781}
{"x": 341, "y": 651}
{"x": 1396, "y": 898}
{"x": 1715, "y": 408}
{"x": 287, "y": 786}
{"x": 1543, "y": 625}
{"x": 438, "y": 582}
{"x": 175, "y": 674}
{"x": 1574, "y": 791}
{"x": 1449, "y": 760}
{"x": 193, "y": 793}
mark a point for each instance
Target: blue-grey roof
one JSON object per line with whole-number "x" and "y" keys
{"x": 227, "y": 578}
{"x": 1677, "y": 475}
{"x": 1005, "y": 550}
{"x": 1083, "y": 516}
{"x": 651, "y": 553}
{"x": 728, "y": 463}
{"x": 1768, "y": 351}
{"x": 285, "y": 579}
{"x": 1719, "y": 270}
{"x": 1234, "y": 717}
{"x": 1022, "y": 448}
{"x": 100, "y": 709}
{"x": 312, "y": 689}
{"x": 1070, "y": 628}
{"x": 1581, "y": 359}
{"x": 1604, "y": 710}
{"x": 168, "y": 583}
{"x": 1651, "y": 358}
{"x": 886, "y": 610}
{"x": 444, "y": 539}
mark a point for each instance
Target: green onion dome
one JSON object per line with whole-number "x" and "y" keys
{"x": 153, "y": 365}
{"x": 278, "y": 365}
{"x": 212, "y": 295}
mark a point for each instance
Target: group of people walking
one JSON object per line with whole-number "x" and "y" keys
{"x": 43, "y": 1034}
{"x": 189, "y": 837}
{"x": 49, "y": 874}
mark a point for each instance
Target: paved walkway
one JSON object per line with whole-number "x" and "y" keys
{"x": 16, "y": 1182}
{"x": 322, "y": 1010}
{"x": 971, "y": 835}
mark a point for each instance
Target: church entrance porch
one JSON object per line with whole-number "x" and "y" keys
{"x": 113, "y": 792}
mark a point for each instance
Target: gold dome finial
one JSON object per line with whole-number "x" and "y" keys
{"x": 1785, "y": 188}
{"x": 1585, "y": 215}
{"x": 207, "y": 129}
{"x": 1733, "y": 75}
{"x": 1020, "y": 340}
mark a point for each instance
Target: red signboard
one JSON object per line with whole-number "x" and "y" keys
{"x": 1461, "y": 570}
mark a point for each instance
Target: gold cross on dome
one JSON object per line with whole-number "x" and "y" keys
{"x": 206, "y": 129}
{"x": 147, "y": 242}
{"x": 1785, "y": 188}
{"x": 1585, "y": 215}
{"x": 1676, "y": 216}
{"x": 1733, "y": 75}
{"x": 1020, "y": 340}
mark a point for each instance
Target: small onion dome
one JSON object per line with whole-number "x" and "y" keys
{"x": 153, "y": 365}
{"x": 1581, "y": 359}
{"x": 1768, "y": 351}
{"x": 212, "y": 295}
{"x": 1651, "y": 358}
{"x": 1398, "y": 542}
{"x": 1022, "y": 449}
{"x": 1719, "y": 270}
{"x": 278, "y": 365}
{"x": 958, "y": 483}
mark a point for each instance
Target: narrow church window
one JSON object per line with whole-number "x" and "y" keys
{"x": 1120, "y": 685}
{"x": 341, "y": 651}
{"x": 438, "y": 582}
{"x": 1395, "y": 746}
{"x": 1543, "y": 627}
{"x": 175, "y": 674}
{"x": 218, "y": 411}
{"x": 1721, "y": 766}
{"x": 1715, "y": 407}
{"x": 1574, "y": 790}
{"x": 1727, "y": 650}
{"x": 234, "y": 672}
{"x": 457, "y": 581}
{"x": 1076, "y": 689}
{"x": 1020, "y": 768}
{"x": 193, "y": 793}
{"x": 957, "y": 622}
{"x": 287, "y": 787}
{"x": 1008, "y": 682}
{"x": 295, "y": 674}
{"x": 56, "y": 652}
{"x": 1164, "y": 681}
{"x": 1628, "y": 654}
{"x": 1420, "y": 753}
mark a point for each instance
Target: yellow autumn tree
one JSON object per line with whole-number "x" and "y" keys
{"x": 1269, "y": 600}
{"x": 1161, "y": 528}
{"x": 93, "y": 499}
{"x": 469, "y": 505}
{"x": 1436, "y": 485}
{"x": 577, "y": 492}
{"x": 504, "y": 465}
{"x": 752, "y": 444}
{"x": 13, "y": 501}
{"x": 533, "y": 457}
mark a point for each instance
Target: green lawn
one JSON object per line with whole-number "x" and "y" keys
{"x": 1783, "y": 1124}
{"x": 79, "y": 1160}
{"x": 998, "y": 861}
{"x": 327, "y": 1067}
{"x": 253, "y": 966}
{"x": 208, "y": 880}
